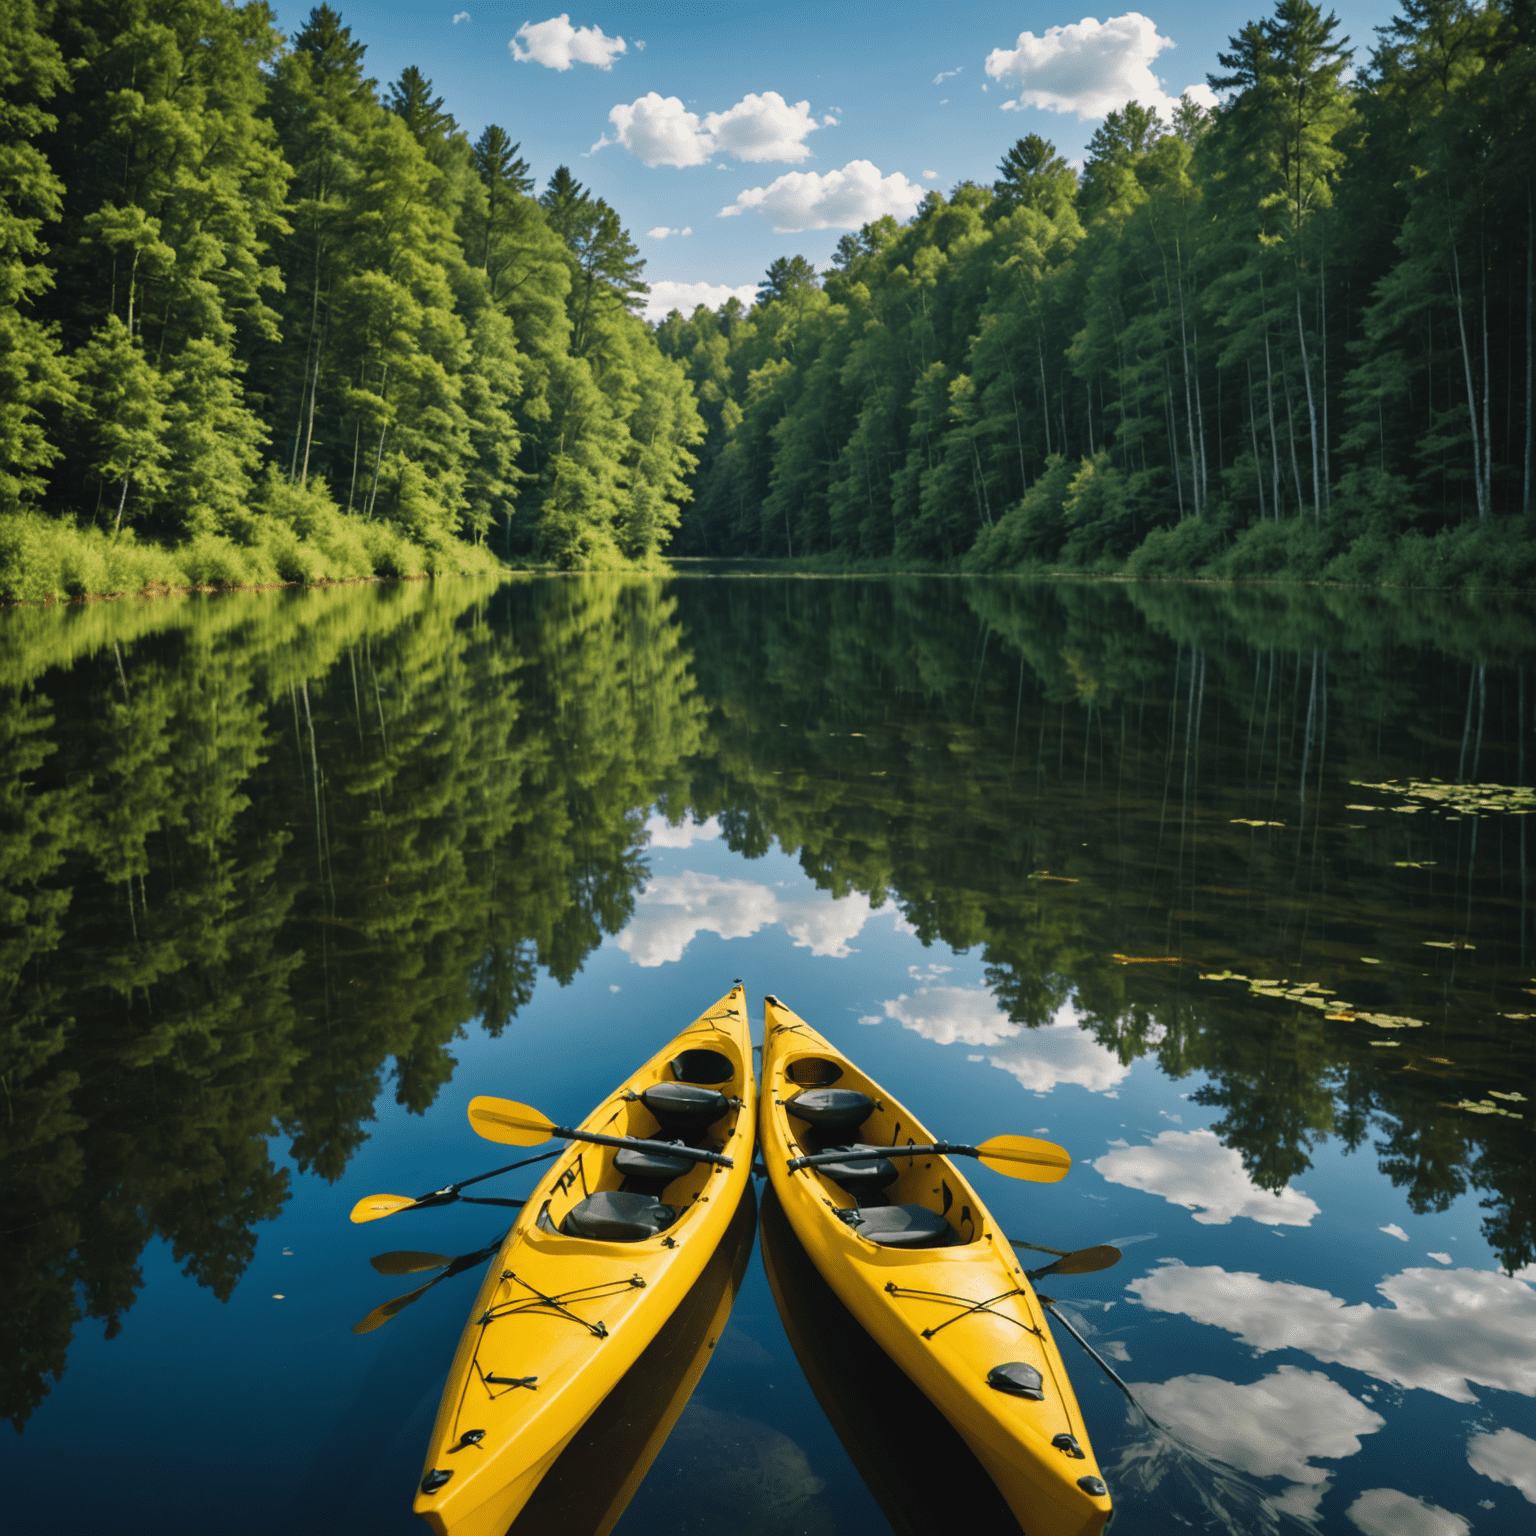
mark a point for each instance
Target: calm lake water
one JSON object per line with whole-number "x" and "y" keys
{"x": 1229, "y": 892}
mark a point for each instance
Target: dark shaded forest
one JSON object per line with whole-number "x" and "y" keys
{"x": 1288, "y": 337}
{"x": 263, "y": 321}
{"x": 263, "y": 860}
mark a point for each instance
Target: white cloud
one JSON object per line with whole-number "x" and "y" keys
{"x": 1506, "y": 1456}
{"x": 664, "y": 835}
{"x": 930, "y": 175}
{"x": 845, "y": 199}
{"x": 556, "y": 44}
{"x": 761, "y": 128}
{"x": 664, "y": 297}
{"x": 947, "y": 74}
{"x": 1394, "y": 1231}
{"x": 662, "y": 232}
{"x": 661, "y": 130}
{"x": 460, "y": 16}
{"x": 1090, "y": 67}
{"x": 1058, "y": 1052}
{"x": 1271, "y": 1428}
{"x": 673, "y": 909}
{"x": 1194, "y": 1170}
{"x": 829, "y": 121}
{"x": 1386, "y": 1512}
{"x": 1443, "y": 1330}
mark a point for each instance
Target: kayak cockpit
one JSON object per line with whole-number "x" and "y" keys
{"x": 635, "y": 1194}
{"x": 827, "y": 1119}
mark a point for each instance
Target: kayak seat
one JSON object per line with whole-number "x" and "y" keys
{"x": 904, "y": 1226}
{"x": 618, "y": 1216}
{"x": 702, "y": 1067}
{"x": 684, "y": 1107}
{"x": 862, "y": 1180}
{"x": 653, "y": 1164}
{"x": 831, "y": 1109}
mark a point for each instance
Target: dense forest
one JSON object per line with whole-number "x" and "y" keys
{"x": 1290, "y": 335}
{"x": 260, "y": 320}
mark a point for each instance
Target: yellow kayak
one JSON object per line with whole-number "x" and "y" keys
{"x": 863, "y": 1392}
{"x": 914, "y": 1255}
{"x": 609, "y": 1243}
{"x": 599, "y": 1472}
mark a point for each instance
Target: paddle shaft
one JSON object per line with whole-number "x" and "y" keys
{"x": 868, "y": 1154}
{"x": 450, "y": 1192}
{"x": 640, "y": 1144}
{"x": 1104, "y": 1365}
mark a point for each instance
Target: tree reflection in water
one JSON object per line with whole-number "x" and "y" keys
{"x": 256, "y": 849}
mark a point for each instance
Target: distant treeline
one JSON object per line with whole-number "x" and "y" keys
{"x": 281, "y": 325}
{"x": 1292, "y": 334}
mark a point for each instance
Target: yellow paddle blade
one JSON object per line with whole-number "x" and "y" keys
{"x": 518, "y": 1125}
{"x": 373, "y": 1207}
{"x": 1022, "y": 1157}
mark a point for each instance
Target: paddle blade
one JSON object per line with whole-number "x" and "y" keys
{"x": 517, "y": 1125}
{"x": 381, "y": 1315}
{"x": 376, "y": 1207}
{"x": 407, "y": 1261}
{"x": 1022, "y": 1157}
{"x": 1085, "y": 1261}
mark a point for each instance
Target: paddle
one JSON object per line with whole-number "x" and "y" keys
{"x": 1083, "y": 1261}
{"x": 376, "y": 1207}
{"x": 1019, "y": 1157}
{"x": 520, "y": 1125}
{"x": 382, "y": 1314}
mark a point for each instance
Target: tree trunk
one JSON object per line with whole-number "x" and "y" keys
{"x": 1173, "y": 436}
{"x": 309, "y": 431}
{"x": 1306, "y": 373}
{"x": 1487, "y": 390}
{"x": 1189, "y": 403}
{"x": 1466, "y": 363}
{"x": 1322, "y": 293}
{"x": 1253, "y": 428}
{"x": 1290, "y": 432}
{"x": 122, "y": 501}
{"x": 1045, "y": 396}
{"x": 1530, "y": 301}
{"x": 1274, "y": 436}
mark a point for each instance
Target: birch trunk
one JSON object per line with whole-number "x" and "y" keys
{"x": 1466, "y": 363}
{"x": 1306, "y": 373}
{"x": 1530, "y": 295}
{"x": 1253, "y": 428}
{"x": 1274, "y": 436}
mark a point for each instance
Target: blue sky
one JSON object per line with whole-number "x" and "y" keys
{"x": 801, "y": 120}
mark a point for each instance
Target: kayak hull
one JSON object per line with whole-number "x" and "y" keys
{"x": 559, "y": 1320}
{"x": 945, "y": 1315}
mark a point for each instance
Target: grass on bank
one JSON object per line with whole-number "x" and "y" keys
{"x": 293, "y": 536}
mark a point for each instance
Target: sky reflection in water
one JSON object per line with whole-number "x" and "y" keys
{"x": 299, "y": 857}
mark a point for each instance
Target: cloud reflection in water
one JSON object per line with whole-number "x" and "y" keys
{"x": 1444, "y": 1329}
{"x": 1058, "y": 1052}
{"x": 1194, "y": 1170}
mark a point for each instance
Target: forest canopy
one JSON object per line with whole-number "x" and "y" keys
{"x": 1290, "y": 334}
{"x": 261, "y": 319}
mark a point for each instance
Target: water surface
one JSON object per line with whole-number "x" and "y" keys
{"x": 1228, "y": 892}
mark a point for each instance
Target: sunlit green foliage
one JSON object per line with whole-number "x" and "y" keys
{"x": 232, "y": 269}
{"x": 1313, "y": 304}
